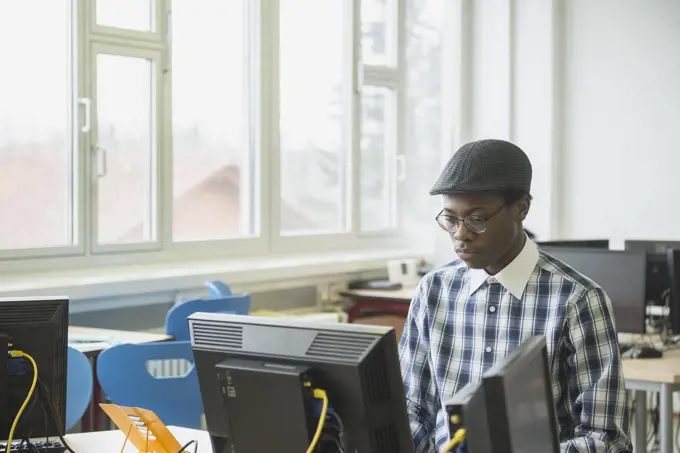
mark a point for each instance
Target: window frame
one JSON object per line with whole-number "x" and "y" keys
{"x": 265, "y": 148}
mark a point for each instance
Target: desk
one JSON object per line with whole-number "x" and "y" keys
{"x": 393, "y": 302}
{"x": 654, "y": 375}
{"x": 91, "y": 341}
{"x": 112, "y": 441}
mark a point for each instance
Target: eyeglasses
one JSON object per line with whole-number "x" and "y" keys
{"x": 475, "y": 223}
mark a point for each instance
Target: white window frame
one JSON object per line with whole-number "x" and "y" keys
{"x": 267, "y": 241}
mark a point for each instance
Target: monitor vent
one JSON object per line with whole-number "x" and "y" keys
{"x": 340, "y": 346}
{"x": 376, "y": 383}
{"x": 221, "y": 337}
{"x": 384, "y": 439}
{"x": 38, "y": 313}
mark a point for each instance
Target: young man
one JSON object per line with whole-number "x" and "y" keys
{"x": 471, "y": 313}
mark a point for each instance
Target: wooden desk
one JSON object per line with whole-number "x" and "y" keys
{"x": 393, "y": 302}
{"x": 112, "y": 441}
{"x": 654, "y": 375}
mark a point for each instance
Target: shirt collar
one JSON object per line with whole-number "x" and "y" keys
{"x": 515, "y": 276}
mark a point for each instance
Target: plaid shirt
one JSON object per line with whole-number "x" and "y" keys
{"x": 462, "y": 321}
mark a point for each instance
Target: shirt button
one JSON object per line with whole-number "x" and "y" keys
{"x": 491, "y": 280}
{"x": 488, "y": 349}
{"x": 492, "y": 309}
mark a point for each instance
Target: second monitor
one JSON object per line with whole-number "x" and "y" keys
{"x": 621, "y": 274}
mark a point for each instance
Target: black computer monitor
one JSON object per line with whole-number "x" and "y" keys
{"x": 577, "y": 243}
{"x": 673, "y": 260}
{"x": 658, "y": 280}
{"x": 257, "y": 376}
{"x": 621, "y": 274}
{"x": 38, "y": 327}
{"x": 651, "y": 247}
{"x": 512, "y": 408}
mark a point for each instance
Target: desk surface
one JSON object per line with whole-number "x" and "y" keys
{"x": 90, "y": 340}
{"x": 112, "y": 441}
{"x": 665, "y": 370}
{"x": 401, "y": 295}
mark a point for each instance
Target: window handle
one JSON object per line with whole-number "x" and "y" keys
{"x": 401, "y": 167}
{"x": 87, "y": 104}
{"x": 99, "y": 155}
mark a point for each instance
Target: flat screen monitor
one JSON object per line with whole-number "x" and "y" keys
{"x": 652, "y": 247}
{"x": 658, "y": 278}
{"x": 621, "y": 274}
{"x": 512, "y": 409}
{"x": 673, "y": 259}
{"x": 262, "y": 381}
{"x": 38, "y": 327}
{"x": 580, "y": 243}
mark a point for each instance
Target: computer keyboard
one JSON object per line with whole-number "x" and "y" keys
{"x": 42, "y": 446}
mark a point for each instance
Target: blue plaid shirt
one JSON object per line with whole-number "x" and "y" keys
{"x": 462, "y": 321}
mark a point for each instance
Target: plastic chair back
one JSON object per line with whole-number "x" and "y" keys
{"x": 79, "y": 383}
{"x": 217, "y": 289}
{"x": 176, "y": 324}
{"x": 124, "y": 378}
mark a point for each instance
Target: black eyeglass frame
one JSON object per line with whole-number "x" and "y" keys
{"x": 467, "y": 220}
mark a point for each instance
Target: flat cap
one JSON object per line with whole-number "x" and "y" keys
{"x": 485, "y": 166}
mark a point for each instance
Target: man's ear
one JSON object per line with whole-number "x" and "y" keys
{"x": 523, "y": 208}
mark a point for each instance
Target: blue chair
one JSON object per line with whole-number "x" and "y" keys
{"x": 79, "y": 384}
{"x": 176, "y": 324}
{"x": 124, "y": 378}
{"x": 217, "y": 289}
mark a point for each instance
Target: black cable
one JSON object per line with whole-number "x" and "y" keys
{"x": 188, "y": 444}
{"x": 44, "y": 393}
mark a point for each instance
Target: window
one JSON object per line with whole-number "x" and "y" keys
{"x": 37, "y": 139}
{"x": 212, "y": 134}
{"x": 190, "y": 129}
{"x": 313, "y": 115}
{"x": 427, "y": 117}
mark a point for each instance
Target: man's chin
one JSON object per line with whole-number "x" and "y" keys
{"x": 474, "y": 261}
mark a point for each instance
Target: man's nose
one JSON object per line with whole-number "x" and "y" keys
{"x": 463, "y": 233}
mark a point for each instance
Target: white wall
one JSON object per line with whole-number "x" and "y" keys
{"x": 622, "y": 119}
{"x": 591, "y": 91}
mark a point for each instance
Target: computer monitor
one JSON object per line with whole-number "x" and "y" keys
{"x": 38, "y": 327}
{"x": 258, "y": 374}
{"x": 658, "y": 280}
{"x": 512, "y": 408}
{"x": 651, "y": 247}
{"x": 673, "y": 260}
{"x": 621, "y": 274}
{"x": 577, "y": 243}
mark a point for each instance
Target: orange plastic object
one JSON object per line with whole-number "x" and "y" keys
{"x": 142, "y": 428}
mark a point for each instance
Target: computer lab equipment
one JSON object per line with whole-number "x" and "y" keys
{"x": 658, "y": 280}
{"x": 577, "y": 243}
{"x": 34, "y": 332}
{"x": 621, "y": 274}
{"x": 291, "y": 385}
{"x": 673, "y": 262}
{"x": 511, "y": 409}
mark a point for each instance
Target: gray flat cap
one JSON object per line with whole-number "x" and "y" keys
{"x": 485, "y": 166}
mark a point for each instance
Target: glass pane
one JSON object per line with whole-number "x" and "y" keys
{"x": 378, "y": 32}
{"x": 312, "y": 116}
{"x": 125, "y": 125}
{"x": 377, "y": 151}
{"x": 129, "y": 14}
{"x": 35, "y": 124}
{"x": 423, "y": 112}
{"x": 212, "y": 187}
